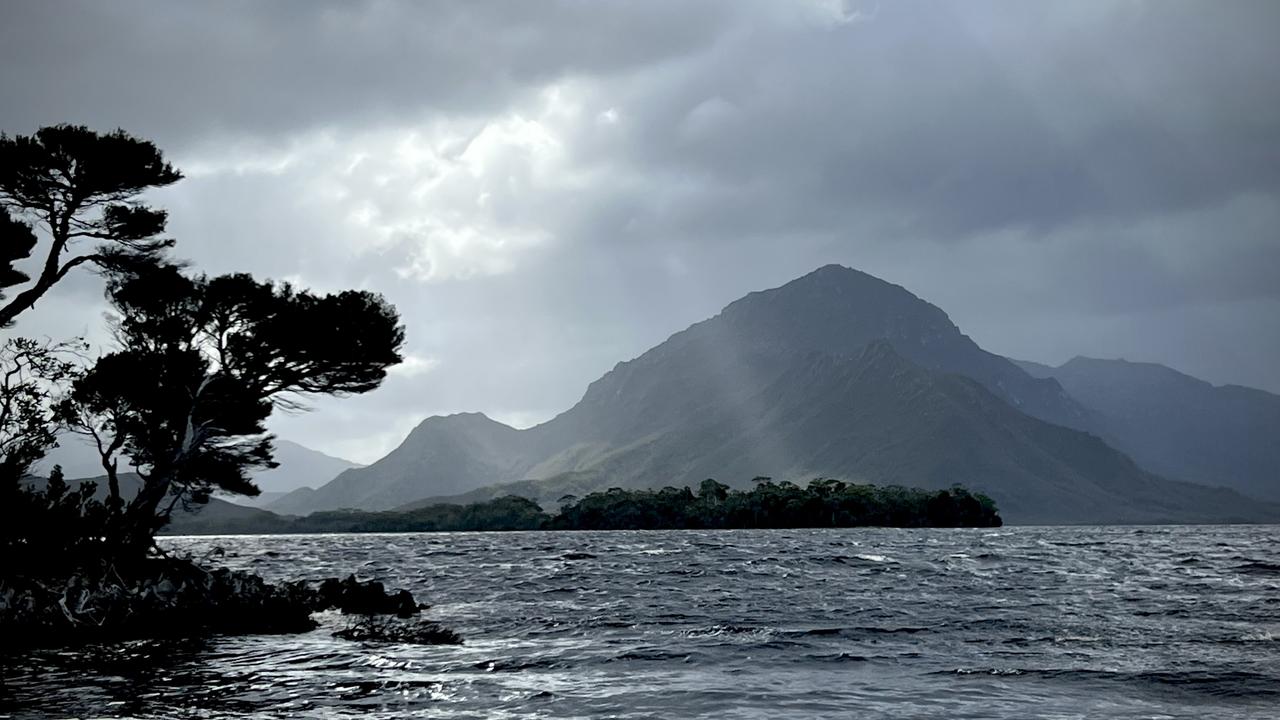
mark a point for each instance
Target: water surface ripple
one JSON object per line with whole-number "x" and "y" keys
{"x": 1115, "y": 622}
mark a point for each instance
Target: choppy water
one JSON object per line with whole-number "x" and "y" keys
{"x": 1151, "y": 622}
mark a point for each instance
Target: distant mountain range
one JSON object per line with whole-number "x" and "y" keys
{"x": 1177, "y": 425}
{"x": 299, "y": 467}
{"x": 836, "y": 374}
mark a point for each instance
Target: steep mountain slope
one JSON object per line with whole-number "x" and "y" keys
{"x": 759, "y": 389}
{"x": 300, "y": 468}
{"x": 1178, "y": 425}
{"x": 455, "y": 453}
{"x": 879, "y": 418}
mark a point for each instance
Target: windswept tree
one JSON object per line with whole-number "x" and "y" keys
{"x": 202, "y": 362}
{"x": 76, "y": 191}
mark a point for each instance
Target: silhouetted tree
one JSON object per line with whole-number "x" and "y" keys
{"x": 201, "y": 363}
{"x": 32, "y": 375}
{"x": 76, "y": 186}
{"x": 712, "y": 492}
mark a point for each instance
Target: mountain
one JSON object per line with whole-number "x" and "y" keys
{"x": 1178, "y": 425}
{"x": 879, "y": 418}
{"x": 450, "y": 454}
{"x": 299, "y": 467}
{"x": 836, "y": 373}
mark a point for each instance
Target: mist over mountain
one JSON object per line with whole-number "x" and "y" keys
{"x": 837, "y": 373}
{"x": 300, "y": 468}
{"x": 1178, "y": 425}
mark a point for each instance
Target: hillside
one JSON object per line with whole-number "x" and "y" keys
{"x": 1178, "y": 425}
{"x": 300, "y": 468}
{"x": 455, "y": 454}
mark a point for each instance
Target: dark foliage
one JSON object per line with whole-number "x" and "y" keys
{"x": 17, "y": 241}
{"x": 824, "y": 503}
{"x": 504, "y": 513}
{"x": 54, "y": 531}
{"x": 76, "y": 186}
{"x": 218, "y": 354}
{"x": 31, "y": 374}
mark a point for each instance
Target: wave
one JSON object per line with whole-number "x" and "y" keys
{"x": 1227, "y": 684}
{"x": 1258, "y": 568}
{"x": 853, "y": 631}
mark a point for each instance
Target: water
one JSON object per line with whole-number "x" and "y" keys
{"x": 1153, "y": 622}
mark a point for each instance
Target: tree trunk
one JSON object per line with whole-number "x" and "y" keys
{"x": 113, "y": 485}
{"x": 140, "y": 516}
{"x": 21, "y": 302}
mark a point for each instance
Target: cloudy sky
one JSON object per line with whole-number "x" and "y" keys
{"x": 546, "y": 188}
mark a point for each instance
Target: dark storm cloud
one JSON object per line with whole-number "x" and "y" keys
{"x": 959, "y": 119}
{"x": 547, "y": 188}
{"x": 183, "y": 69}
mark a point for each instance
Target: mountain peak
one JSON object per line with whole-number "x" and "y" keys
{"x": 835, "y": 270}
{"x": 833, "y": 309}
{"x": 833, "y": 276}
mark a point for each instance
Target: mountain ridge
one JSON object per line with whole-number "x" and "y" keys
{"x": 1180, "y": 425}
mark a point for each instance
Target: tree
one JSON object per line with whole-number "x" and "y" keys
{"x": 32, "y": 374}
{"x": 202, "y": 362}
{"x": 713, "y": 492}
{"x": 75, "y": 185}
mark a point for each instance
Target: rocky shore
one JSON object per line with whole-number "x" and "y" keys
{"x": 167, "y": 597}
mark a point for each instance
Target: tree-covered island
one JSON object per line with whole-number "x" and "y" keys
{"x": 823, "y": 503}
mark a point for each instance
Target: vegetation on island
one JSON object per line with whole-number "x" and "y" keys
{"x": 822, "y": 503}
{"x": 182, "y": 398}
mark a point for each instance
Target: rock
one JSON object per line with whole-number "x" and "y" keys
{"x": 177, "y": 598}
{"x": 380, "y": 629}
{"x": 354, "y": 597}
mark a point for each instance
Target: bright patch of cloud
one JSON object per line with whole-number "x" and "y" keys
{"x": 415, "y": 365}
